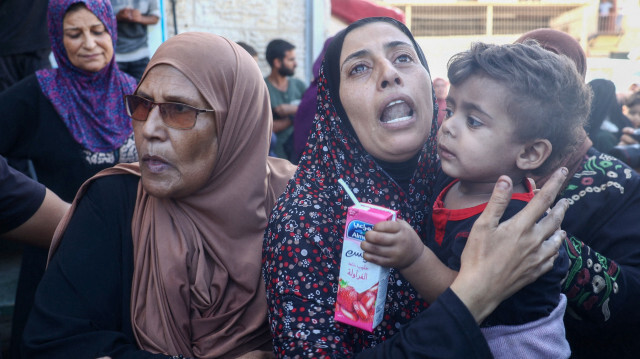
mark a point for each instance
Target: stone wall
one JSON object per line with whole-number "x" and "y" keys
{"x": 255, "y": 22}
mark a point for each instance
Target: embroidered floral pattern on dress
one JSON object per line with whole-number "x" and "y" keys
{"x": 595, "y": 166}
{"x": 127, "y": 153}
{"x": 592, "y": 280}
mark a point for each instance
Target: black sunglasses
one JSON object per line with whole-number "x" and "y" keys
{"x": 175, "y": 115}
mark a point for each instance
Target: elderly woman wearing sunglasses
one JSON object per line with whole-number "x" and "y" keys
{"x": 162, "y": 258}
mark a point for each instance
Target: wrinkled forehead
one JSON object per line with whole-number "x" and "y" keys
{"x": 360, "y": 39}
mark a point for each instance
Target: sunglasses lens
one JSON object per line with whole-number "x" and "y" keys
{"x": 178, "y": 115}
{"x": 174, "y": 115}
{"x": 138, "y": 108}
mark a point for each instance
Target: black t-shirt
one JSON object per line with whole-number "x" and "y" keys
{"x": 82, "y": 306}
{"x": 20, "y": 197}
{"x": 23, "y": 26}
{"x": 30, "y": 128}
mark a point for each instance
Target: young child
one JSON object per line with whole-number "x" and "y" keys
{"x": 511, "y": 109}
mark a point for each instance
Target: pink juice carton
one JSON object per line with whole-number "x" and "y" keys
{"x": 362, "y": 290}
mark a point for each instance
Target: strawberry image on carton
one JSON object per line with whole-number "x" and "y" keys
{"x": 362, "y": 287}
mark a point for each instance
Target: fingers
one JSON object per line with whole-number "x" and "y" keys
{"x": 376, "y": 249}
{"x": 389, "y": 226}
{"x": 626, "y": 139}
{"x": 628, "y": 130}
{"x": 544, "y": 261}
{"x": 382, "y": 247}
{"x": 377, "y": 238}
{"x": 377, "y": 259}
{"x": 551, "y": 246}
{"x": 553, "y": 220}
{"x": 543, "y": 200}
{"x": 497, "y": 203}
{"x": 385, "y": 233}
{"x": 533, "y": 184}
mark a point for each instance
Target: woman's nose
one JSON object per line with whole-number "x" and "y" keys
{"x": 390, "y": 75}
{"x": 153, "y": 127}
{"x": 89, "y": 41}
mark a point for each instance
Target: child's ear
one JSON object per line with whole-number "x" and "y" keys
{"x": 534, "y": 154}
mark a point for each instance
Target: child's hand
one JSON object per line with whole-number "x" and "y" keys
{"x": 392, "y": 244}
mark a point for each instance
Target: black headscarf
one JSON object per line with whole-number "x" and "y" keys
{"x": 303, "y": 240}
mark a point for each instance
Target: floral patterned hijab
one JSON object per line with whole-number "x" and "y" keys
{"x": 311, "y": 214}
{"x": 89, "y": 103}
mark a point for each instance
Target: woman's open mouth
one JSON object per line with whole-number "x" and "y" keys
{"x": 396, "y": 111}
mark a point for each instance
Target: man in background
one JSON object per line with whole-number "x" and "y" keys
{"x": 285, "y": 93}
{"x": 132, "y": 46}
{"x": 24, "y": 40}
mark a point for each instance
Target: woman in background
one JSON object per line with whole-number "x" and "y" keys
{"x": 70, "y": 121}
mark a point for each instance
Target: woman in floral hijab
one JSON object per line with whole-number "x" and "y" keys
{"x": 375, "y": 129}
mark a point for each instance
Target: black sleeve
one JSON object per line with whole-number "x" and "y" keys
{"x": 20, "y": 197}
{"x": 81, "y": 308}
{"x": 603, "y": 284}
{"x": 20, "y": 105}
{"x": 445, "y": 330}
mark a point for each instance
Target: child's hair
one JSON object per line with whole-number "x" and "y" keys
{"x": 548, "y": 97}
{"x": 632, "y": 100}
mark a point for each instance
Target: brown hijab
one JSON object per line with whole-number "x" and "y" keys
{"x": 563, "y": 44}
{"x": 197, "y": 287}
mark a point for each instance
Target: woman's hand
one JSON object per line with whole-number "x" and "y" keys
{"x": 501, "y": 258}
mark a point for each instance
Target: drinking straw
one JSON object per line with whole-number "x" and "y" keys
{"x": 348, "y": 190}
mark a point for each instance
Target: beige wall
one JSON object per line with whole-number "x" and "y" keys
{"x": 255, "y": 22}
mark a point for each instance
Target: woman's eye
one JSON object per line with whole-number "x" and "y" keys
{"x": 404, "y": 58}
{"x": 473, "y": 123}
{"x": 73, "y": 35}
{"x": 99, "y": 30}
{"x": 180, "y": 108}
{"x": 358, "y": 69}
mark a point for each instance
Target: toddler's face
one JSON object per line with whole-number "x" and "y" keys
{"x": 476, "y": 139}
